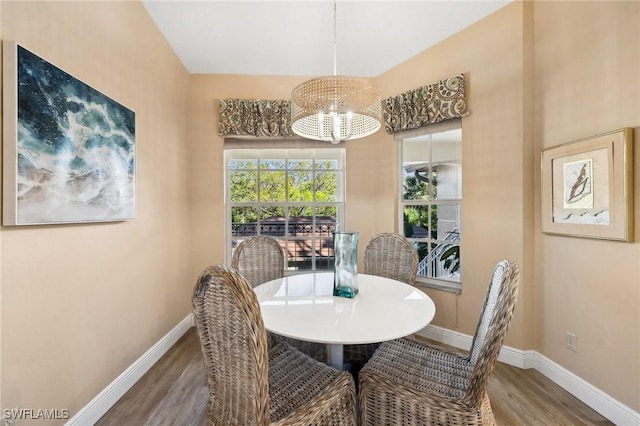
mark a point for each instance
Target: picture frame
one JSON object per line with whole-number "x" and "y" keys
{"x": 587, "y": 187}
{"x": 68, "y": 149}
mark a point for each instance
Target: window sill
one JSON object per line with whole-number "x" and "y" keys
{"x": 450, "y": 287}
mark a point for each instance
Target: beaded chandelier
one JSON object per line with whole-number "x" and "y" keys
{"x": 335, "y": 108}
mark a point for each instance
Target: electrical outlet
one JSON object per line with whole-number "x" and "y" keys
{"x": 572, "y": 342}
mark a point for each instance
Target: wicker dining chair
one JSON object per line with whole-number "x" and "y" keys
{"x": 260, "y": 259}
{"x": 392, "y": 256}
{"x": 386, "y": 255}
{"x": 413, "y": 383}
{"x": 250, "y": 384}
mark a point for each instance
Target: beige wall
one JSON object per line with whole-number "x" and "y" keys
{"x": 497, "y": 181}
{"x": 372, "y": 162}
{"x": 207, "y": 164}
{"x": 541, "y": 74}
{"x": 80, "y": 303}
{"x": 369, "y": 164}
{"x": 587, "y": 81}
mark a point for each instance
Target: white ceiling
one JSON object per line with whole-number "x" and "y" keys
{"x": 295, "y": 37}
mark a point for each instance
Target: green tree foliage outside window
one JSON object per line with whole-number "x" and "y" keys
{"x": 431, "y": 178}
{"x": 294, "y": 196}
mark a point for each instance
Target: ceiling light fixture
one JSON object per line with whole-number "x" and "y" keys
{"x": 335, "y": 108}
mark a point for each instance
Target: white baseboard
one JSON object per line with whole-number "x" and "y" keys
{"x": 601, "y": 402}
{"x": 98, "y": 406}
{"x": 508, "y": 355}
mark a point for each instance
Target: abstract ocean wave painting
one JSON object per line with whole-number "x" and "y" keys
{"x": 75, "y": 149}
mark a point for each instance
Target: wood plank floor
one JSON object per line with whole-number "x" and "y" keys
{"x": 174, "y": 392}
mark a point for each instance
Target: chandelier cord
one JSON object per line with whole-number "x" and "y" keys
{"x": 335, "y": 108}
{"x": 335, "y": 43}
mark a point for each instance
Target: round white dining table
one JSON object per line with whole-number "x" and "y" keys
{"x": 303, "y": 307}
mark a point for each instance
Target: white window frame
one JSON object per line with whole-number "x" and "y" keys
{"x": 428, "y": 131}
{"x": 298, "y": 150}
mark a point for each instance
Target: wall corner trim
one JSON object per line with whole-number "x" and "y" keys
{"x": 98, "y": 406}
{"x": 598, "y": 400}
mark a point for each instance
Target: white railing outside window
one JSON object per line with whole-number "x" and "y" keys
{"x": 431, "y": 201}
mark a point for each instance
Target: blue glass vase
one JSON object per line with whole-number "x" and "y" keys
{"x": 345, "y": 252}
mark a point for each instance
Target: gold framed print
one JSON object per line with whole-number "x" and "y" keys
{"x": 587, "y": 187}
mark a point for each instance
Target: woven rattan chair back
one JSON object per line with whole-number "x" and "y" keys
{"x": 392, "y": 256}
{"x": 386, "y": 255}
{"x": 492, "y": 327}
{"x": 259, "y": 259}
{"x": 412, "y": 382}
{"x": 234, "y": 346}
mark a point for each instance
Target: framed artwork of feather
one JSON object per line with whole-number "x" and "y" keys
{"x": 587, "y": 187}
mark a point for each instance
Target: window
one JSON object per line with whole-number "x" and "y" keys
{"x": 430, "y": 205}
{"x": 293, "y": 195}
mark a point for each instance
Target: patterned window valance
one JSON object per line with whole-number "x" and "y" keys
{"x": 255, "y": 118}
{"x": 426, "y": 105}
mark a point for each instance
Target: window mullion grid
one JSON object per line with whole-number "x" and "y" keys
{"x": 422, "y": 151}
{"x": 287, "y": 204}
{"x": 315, "y": 212}
{"x": 287, "y": 210}
{"x": 258, "y": 189}
{"x": 431, "y": 197}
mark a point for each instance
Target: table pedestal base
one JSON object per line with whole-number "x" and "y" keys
{"x": 335, "y": 355}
